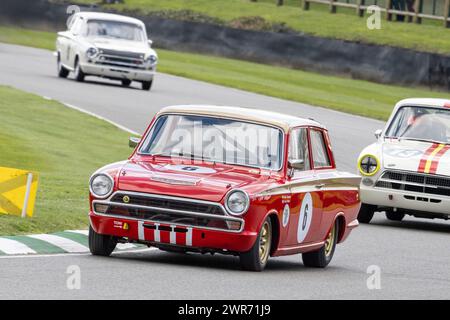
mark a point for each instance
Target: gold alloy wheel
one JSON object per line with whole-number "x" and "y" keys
{"x": 329, "y": 243}
{"x": 264, "y": 242}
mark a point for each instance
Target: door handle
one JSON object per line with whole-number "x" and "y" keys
{"x": 320, "y": 186}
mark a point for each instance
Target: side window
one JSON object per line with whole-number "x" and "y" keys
{"x": 319, "y": 150}
{"x": 299, "y": 149}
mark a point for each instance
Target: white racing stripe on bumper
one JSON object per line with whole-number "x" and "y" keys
{"x": 189, "y": 237}
{"x": 157, "y": 233}
{"x": 63, "y": 243}
{"x": 141, "y": 235}
{"x": 9, "y": 246}
{"x": 173, "y": 236}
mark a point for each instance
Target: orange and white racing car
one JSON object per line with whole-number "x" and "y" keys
{"x": 407, "y": 171}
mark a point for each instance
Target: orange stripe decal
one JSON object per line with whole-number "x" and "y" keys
{"x": 437, "y": 158}
{"x": 425, "y": 157}
{"x": 431, "y": 157}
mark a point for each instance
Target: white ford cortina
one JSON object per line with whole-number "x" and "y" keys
{"x": 407, "y": 171}
{"x": 106, "y": 45}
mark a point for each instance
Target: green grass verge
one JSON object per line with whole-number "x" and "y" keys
{"x": 65, "y": 146}
{"x": 348, "y": 95}
{"x": 317, "y": 21}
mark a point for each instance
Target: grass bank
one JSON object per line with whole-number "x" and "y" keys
{"x": 318, "y": 21}
{"x": 343, "y": 94}
{"x": 65, "y": 147}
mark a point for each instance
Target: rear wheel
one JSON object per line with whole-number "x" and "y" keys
{"x": 394, "y": 216}
{"x": 79, "y": 74}
{"x": 366, "y": 213}
{"x": 322, "y": 257}
{"x": 147, "y": 85}
{"x": 101, "y": 245}
{"x": 62, "y": 72}
{"x": 256, "y": 259}
{"x": 126, "y": 82}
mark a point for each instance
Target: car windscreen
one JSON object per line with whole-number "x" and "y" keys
{"x": 215, "y": 139}
{"x": 421, "y": 123}
{"x": 114, "y": 29}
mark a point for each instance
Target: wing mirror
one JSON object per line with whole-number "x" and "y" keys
{"x": 297, "y": 164}
{"x": 133, "y": 142}
{"x": 378, "y": 133}
{"x": 150, "y": 43}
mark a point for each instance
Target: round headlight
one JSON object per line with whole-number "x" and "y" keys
{"x": 152, "y": 59}
{"x": 101, "y": 185}
{"x": 237, "y": 202}
{"x": 368, "y": 165}
{"x": 91, "y": 52}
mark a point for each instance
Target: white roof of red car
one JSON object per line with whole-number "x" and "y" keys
{"x": 281, "y": 120}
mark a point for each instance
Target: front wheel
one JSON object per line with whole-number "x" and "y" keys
{"x": 79, "y": 74}
{"x": 126, "y": 82}
{"x": 366, "y": 213}
{"x": 101, "y": 245}
{"x": 256, "y": 259}
{"x": 322, "y": 257}
{"x": 147, "y": 85}
{"x": 62, "y": 72}
{"x": 394, "y": 216}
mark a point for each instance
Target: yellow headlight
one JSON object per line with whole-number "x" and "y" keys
{"x": 368, "y": 165}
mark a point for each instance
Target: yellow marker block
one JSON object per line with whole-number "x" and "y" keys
{"x": 18, "y": 190}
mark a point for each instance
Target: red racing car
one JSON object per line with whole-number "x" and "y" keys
{"x": 230, "y": 180}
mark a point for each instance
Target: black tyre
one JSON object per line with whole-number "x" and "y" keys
{"x": 322, "y": 257}
{"x": 256, "y": 259}
{"x": 79, "y": 74}
{"x": 394, "y": 216}
{"x": 101, "y": 245}
{"x": 126, "y": 82}
{"x": 366, "y": 213}
{"x": 147, "y": 85}
{"x": 62, "y": 72}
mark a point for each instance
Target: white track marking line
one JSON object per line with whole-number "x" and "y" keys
{"x": 64, "y": 243}
{"x": 73, "y": 254}
{"x": 83, "y": 232}
{"x": 9, "y": 246}
{"x": 101, "y": 118}
{"x": 125, "y": 246}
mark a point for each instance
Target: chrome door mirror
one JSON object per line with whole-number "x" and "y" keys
{"x": 133, "y": 142}
{"x": 297, "y": 164}
{"x": 150, "y": 42}
{"x": 378, "y": 133}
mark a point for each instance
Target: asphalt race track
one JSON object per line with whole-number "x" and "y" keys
{"x": 413, "y": 255}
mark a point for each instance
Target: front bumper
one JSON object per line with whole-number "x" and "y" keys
{"x": 390, "y": 198}
{"x": 152, "y": 233}
{"x": 116, "y": 72}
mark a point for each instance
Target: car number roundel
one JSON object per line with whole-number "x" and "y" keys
{"x": 305, "y": 218}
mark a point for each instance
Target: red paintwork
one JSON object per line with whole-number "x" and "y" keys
{"x": 329, "y": 205}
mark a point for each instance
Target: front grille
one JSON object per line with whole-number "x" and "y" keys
{"x": 415, "y": 182}
{"x": 115, "y": 58}
{"x": 168, "y": 203}
{"x": 170, "y": 210}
